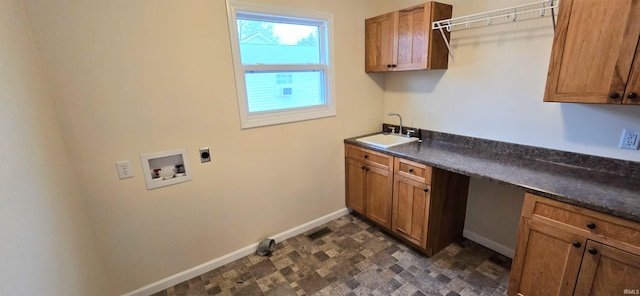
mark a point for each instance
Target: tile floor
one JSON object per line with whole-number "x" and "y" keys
{"x": 355, "y": 258}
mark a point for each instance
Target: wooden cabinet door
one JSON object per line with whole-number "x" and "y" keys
{"x": 379, "y": 195}
{"x": 608, "y": 271}
{"x": 412, "y": 38}
{"x": 593, "y": 51}
{"x": 355, "y": 185}
{"x": 411, "y": 210}
{"x": 380, "y": 42}
{"x": 632, "y": 92}
{"x": 547, "y": 260}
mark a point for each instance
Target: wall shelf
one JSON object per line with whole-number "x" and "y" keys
{"x": 512, "y": 14}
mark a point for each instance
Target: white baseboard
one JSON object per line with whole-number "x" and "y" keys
{"x": 228, "y": 258}
{"x": 502, "y": 249}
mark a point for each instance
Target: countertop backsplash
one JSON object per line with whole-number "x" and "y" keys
{"x": 623, "y": 168}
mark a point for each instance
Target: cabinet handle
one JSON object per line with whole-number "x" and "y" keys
{"x": 593, "y": 251}
{"x": 367, "y": 169}
{"x": 591, "y": 225}
{"x": 614, "y": 95}
{"x": 388, "y": 65}
{"x": 411, "y": 171}
{"x": 632, "y": 95}
{"x": 393, "y": 66}
{"x": 426, "y": 190}
{"x": 577, "y": 244}
{"x": 366, "y": 156}
{"x": 363, "y": 167}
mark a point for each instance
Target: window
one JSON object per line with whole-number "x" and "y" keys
{"x": 282, "y": 65}
{"x": 284, "y": 78}
{"x": 285, "y": 81}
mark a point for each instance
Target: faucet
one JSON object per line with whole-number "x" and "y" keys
{"x": 396, "y": 114}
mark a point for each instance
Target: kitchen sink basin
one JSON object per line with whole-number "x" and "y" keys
{"x": 386, "y": 140}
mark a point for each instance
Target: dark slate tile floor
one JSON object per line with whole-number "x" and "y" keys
{"x": 355, "y": 258}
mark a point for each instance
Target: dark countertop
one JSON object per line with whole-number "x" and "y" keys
{"x": 600, "y": 191}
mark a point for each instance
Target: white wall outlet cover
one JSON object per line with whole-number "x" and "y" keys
{"x": 630, "y": 139}
{"x": 124, "y": 169}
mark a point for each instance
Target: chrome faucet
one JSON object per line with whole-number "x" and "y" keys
{"x": 396, "y": 114}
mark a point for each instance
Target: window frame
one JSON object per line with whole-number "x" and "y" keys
{"x": 264, "y": 12}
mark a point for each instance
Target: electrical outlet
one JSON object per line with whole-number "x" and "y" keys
{"x": 629, "y": 139}
{"x": 124, "y": 169}
{"x": 204, "y": 155}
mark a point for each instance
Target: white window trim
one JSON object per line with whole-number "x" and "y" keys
{"x": 258, "y": 119}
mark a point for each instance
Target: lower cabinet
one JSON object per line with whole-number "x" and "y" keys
{"x": 606, "y": 270}
{"x": 378, "y": 190}
{"x": 369, "y": 179}
{"x": 421, "y": 205}
{"x": 567, "y": 250}
{"x": 411, "y": 210}
{"x": 356, "y": 183}
{"x": 550, "y": 260}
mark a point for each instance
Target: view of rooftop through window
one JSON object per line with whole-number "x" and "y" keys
{"x": 285, "y": 34}
{"x": 265, "y": 42}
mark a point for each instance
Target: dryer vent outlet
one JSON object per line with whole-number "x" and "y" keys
{"x": 205, "y": 156}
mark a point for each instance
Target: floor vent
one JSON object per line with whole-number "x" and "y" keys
{"x": 319, "y": 233}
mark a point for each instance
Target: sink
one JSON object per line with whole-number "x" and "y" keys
{"x": 386, "y": 140}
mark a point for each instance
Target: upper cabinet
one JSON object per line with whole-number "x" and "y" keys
{"x": 595, "y": 56}
{"x": 403, "y": 40}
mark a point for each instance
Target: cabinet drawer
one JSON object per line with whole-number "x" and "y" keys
{"x": 413, "y": 170}
{"x": 592, "y": 224}
{"x": 378, "y": 159}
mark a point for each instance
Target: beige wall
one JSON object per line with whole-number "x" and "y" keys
{"x": 47, "y": 247}
{"x": 493, "y": 214}
{"x": 494, "y": 90}
{"x": 134, "y": 77}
